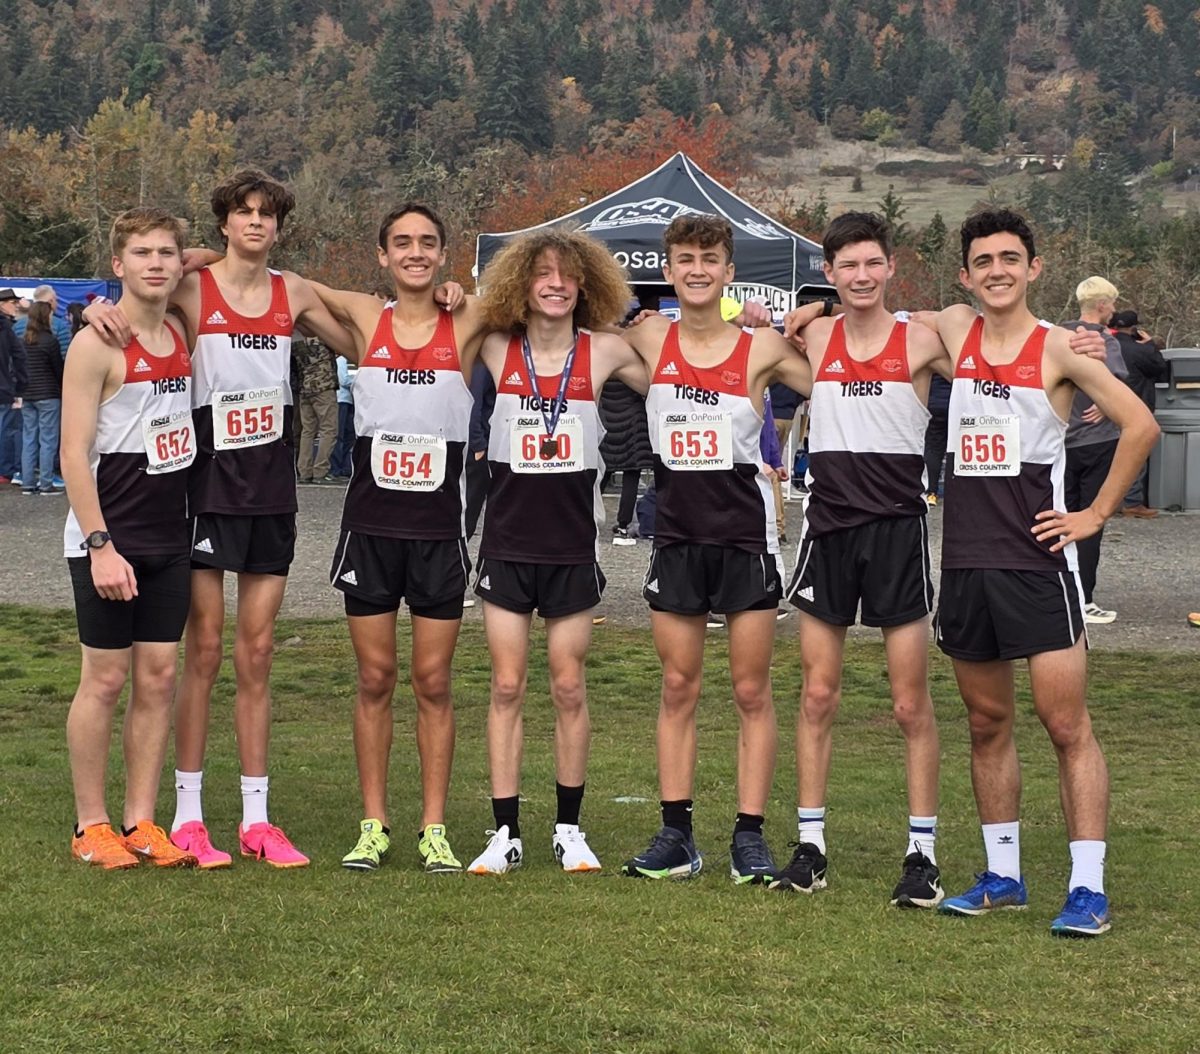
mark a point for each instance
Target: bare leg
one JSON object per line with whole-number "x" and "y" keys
{"x": 908, "y": 670}
{"x": 822, "y": 647}
{"x": 374, "y": 640}
{"x": 508, "y": 643}
{"x": 89, "y": 728}
{"x": 259, "y": 600}
{"x": 679, "y": 641}
{"x": 147, "y": 726}
{"x": 433, "y": 642}
{"x": 751, "y": 642}
{"x": 201, "y": 663}
{"x": 987, "y": 691}
{"x": 567, "y": 643}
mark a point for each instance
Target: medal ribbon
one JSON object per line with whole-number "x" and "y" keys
{"x": 550, "y": 420}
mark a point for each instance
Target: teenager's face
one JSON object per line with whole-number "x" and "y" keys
{"x": 698, "y": 274}
{"x": 150, "y": 265}
{"x": 552, "y": 291}
{"x": 252, "y": 226}
{"x": 414, "y": 252}
{"x": 860, "y": 273}
{"x": 999, "y": 270}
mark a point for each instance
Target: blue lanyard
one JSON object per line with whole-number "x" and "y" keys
{"x": 550, "y": 420}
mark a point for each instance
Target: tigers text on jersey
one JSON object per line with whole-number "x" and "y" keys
{"x": 243, "y": 406}
{"x": 704, "y": 431}
{"x": 866, "y": 440}
{"x": 144, "y": 444}
{"x": 543, "y": 505}
{"x": 412, "y": 412}
{"x": 1005, "y": 461}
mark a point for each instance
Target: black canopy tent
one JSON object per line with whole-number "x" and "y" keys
{"x": 772, "y": 262}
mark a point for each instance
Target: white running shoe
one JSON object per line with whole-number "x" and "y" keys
{"x": 1096, "y": 615}
{"x": 571, "y": 849}
{"x": 501, "y": 855}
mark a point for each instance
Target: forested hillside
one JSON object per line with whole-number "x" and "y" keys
{"x": 505, "y": 112}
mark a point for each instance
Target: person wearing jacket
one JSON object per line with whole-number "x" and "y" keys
{"x": 13, "y": 378}
{"x": 1146, "y": 367}
{"x": 41, "y": 408}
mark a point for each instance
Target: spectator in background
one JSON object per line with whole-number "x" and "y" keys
{"x": 75, "y": 318}
{"x": 1146, "y": 366}
{"x": 339, "y": 465}
{"x": 938, "y": 405}
{"x": 483, "y": 391}
{"x": 1091, "y": 438}
{"x": 45, "y": 294}
{"x": 318, "y": 410}
{"x": 13, "y": 378}
{"x": 784, "y": 405}
{"x": 771, "y": 450}
{"x": 41, "y": 407}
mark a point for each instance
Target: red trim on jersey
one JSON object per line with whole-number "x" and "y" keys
{"x": 1025, "y": 371}
{"x": 890, "y": 364}
{"x": 156, "y": 367}
{"x": 276, "y": 321}
{"x": 728, "y": 377}
{"x": 440, "y": 353}
{"x": 513, "y": 379}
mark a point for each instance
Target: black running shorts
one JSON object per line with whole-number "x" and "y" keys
{"x": 985, "y": 614}
{"x": 156, "y": 615}
{"x": 883, "y": 564}
{"x": 691, "y": 579}
{"x": 376, "y": 573}
{"x": 254, "y": 545}
{"x": 555, "y": 590}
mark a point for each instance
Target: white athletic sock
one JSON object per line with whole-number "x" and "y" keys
{"x": 922, "y": 833}
{"x": 811, "y": 823}
{"x": 187, "y": 798}
{"x": 1002, "y": 841}
{"x": 1087, "y": 866}
{"x": 254, "y": 800}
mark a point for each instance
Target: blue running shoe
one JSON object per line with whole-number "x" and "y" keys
{"x": 750, "y": 860}
{"x": 670, "y": 854}
{"x": 1085, "y": 914}
{"x": 990, "y": 892}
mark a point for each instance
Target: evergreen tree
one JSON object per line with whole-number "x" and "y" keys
{"x": 470, "y": 33}
{"x": 893, "y": 209}
{"x": 679, "y": 91}
{"x": 933, "y": 239}
{"x": 983, "y": 126}
{"x": 219, "y": 26}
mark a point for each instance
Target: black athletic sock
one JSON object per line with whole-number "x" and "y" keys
{"x": 678, "y": 814}
{"x": 748, "y": 822}
{"x": 505, "y": 812}
{"x": 569, "y": 801}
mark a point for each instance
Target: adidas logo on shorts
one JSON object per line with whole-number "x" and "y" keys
{"x": 142, "y": 366}
{"x": 216, "y": 319}
{"x": 969, "y": 362}
{"x": 836, "y": 367}
{"x": 485, "y": 582}
{"x": 350, "y": 577}
{"x": 203, "y": 546}
{"x": 652, "y": 587}
{"x": 513, "y": 378}
{"x": 670, "y": 370}
{"x": 807, "y": 594}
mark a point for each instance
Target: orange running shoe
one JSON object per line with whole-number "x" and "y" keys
{"x": 149, "y": 842}
{"x": 99, "y": 845}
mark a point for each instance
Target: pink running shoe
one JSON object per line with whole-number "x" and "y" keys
{"x": 192, "y": 837}
{"x": 267, "y": 842}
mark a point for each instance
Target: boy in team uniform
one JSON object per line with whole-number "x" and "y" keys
{"x": 1010, "y": 585}
{"x": 127, "y": 442}
{"x": 865, "y": 539}
{"x": 715, "y": 542}
{"x": 545, "y": 293}
{"x": 240, "y": 316}
{"x": 402, "y": 536}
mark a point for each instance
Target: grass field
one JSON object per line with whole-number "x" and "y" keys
{"x": 327, "y": 960}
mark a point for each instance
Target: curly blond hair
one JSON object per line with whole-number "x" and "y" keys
{"x": 604, "y": 292}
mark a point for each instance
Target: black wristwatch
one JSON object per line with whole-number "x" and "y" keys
{"x": 826, "y": 308}
{"x": 96, "y": 540}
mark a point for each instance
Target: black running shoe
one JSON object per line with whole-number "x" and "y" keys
{"x": 806, "y": 872}
{"x": 920, "y": 885}
{"x": 750, "y": 860}
{"x": 671, "y": 854}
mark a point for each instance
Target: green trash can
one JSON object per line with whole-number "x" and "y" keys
{"x": 1175, "y": 460}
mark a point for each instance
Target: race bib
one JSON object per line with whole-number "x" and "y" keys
{"x": 400, "y": 461}
{"x": 697, "y": 441}
{"x": 988, "y": 445}
{"x": 532, "y": 449}
{"x": 170, "y": 442}
{"x": 247, "y": 419}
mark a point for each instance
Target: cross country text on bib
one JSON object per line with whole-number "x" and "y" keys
{"x": 988, "y": 445}
{"x": 698, "y": 440}
{"x": 402, "y": 461}
{"x": 248, "y": 418}
{"x": 529, "y": 446}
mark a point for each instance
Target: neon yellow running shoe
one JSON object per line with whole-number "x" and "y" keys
{"x": 373, "y": 845}
{"x": 435, "y": 851}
